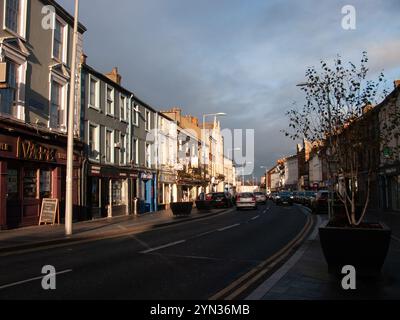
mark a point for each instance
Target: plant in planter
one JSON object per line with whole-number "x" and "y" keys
{"x": 341, "y": 119}
{"x": 182, "y": 208}
{"x": 204, "y": 205}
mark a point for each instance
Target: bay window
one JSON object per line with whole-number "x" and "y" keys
{"x": 9, "y": 95}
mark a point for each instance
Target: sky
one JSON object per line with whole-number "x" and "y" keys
{"x": 240, "y": 57}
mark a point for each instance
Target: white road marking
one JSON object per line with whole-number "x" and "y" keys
{"x": 204, "y": 234}
{"x": 255, "y": 218}
{"x": 163, "y": 246}
{"x": 265, "y": 211}
{"x": 30, "y": 280}
{"x": 395, "y": 238}
{"x": 229, "y": 227}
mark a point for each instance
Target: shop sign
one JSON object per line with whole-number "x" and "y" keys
{"x": 29, "y": 150}
{"x": 5, "y": 147}
{"x": 146, "y": 176}
{"x": 168, "y": 178}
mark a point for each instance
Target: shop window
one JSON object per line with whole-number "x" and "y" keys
{"x": 45, "y": 184}
{"x": 30, "y": 183}
{"x": 12, "y": 184}
{"x": 117, "y": 192}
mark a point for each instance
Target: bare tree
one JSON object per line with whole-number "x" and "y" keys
{"x": 339, "y": 112}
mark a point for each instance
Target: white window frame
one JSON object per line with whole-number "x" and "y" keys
{"x": 113, "y": 101}
{"x": 21, "y": 33}
{"x": 97, "y": 97}
{"x": 64, "y": 99}
{"x": 136, "y": 112}
{"x": 97, "y": 142}
{"x": 148, "y": 155}
{"x": 111, "y": 146}
{"x": 122, "y": 117}
{"x": 147, "y": 118}
{"x": 64, "y": 39}
{"x": 136, "y": 147}
{"x": 122, "y": 160}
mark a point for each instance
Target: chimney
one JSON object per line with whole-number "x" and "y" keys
{"x": 114, "y": 76}
{"x": 396, "y": 83}
{"x": 83, "y": 58}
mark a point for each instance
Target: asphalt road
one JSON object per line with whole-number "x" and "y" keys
{"x": 186, "y": 261}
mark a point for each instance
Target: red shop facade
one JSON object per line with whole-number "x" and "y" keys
{"x": 33, "y": 167}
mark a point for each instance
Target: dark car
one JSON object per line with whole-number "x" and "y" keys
{"x": 319, "y": 205}
{"x": 220, "y": 199}
{"x": 309, "y": 198}
{"x": 284, "y": 197}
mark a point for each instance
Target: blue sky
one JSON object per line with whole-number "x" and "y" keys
{"x": 239, "y": 57}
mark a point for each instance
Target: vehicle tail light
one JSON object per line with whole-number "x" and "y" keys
{"x": 238, "y": 198}
{"x": 254, "y": 198}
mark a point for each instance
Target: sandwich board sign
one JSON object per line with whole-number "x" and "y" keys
{"x": 49, "y": 212}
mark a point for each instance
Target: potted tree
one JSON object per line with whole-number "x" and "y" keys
{"x": 182, "y": 208}
{"x": 340, "y": 116}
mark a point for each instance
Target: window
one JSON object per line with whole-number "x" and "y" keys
{"x": 9, "y": 96}
{"x": 45, "y": 184}
{"x": 13, "y": 8}
{"x": 58, "y": 40}
{"x": 57, "y": 111}
{"x": 148, "y": 155}
{"x": 117, "y": 147}
{"x": 110, "y": 101}
{"x": 117, "y": 192}
{"x": 122, "y": 159}
{"x": 30, "y": 183}
{"x": 123, "y": 107}
{"x": 12, "y": 184}
{"x": 94, "y": 93}
{"x": 148, "y": 120}
{"x": 93, "y": 142}
{"x": 135, "y": 119}
{"x": 136, "y": 150}
{"x": 108, "y": 145}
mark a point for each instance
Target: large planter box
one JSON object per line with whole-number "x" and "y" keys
{"x": 204, "y": 205}
{"x": 364, "y": 248}
{"x": 181, "y": 208}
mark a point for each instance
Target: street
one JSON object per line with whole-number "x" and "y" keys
{"x": 191, "y": 260}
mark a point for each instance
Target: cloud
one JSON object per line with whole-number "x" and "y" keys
{"x": 241, "y": 57}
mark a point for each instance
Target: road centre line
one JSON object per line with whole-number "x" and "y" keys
{"x": 229, "y": 227}
{"x": 255, "y": 218}
{"x": 32, "y": 279}
{"x": 163, "y": 246}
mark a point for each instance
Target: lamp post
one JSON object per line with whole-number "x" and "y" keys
{"x": 218, "y": 114}
{"x": 70, "y": 146}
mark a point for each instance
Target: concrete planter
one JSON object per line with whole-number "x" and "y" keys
{"x": 364, "y": 248}
{"x": 204, "y": 205}
{"x": 182, "y": 208}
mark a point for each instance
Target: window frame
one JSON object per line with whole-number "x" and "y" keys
{"x": 97, "y": 142}
{"x": 147, "y": 120}
{"x": 21, "y": 23}
{"x": 111, "y": 146}
{"x": 112, "y": 113}
{"x": 64, "y": 36}
{"x": 97, "y": 93}
{"x": 64, "y": 100}
{"x": 136, "y": 147}
{"x": 136, "y": 112}
{"x": 123, "y": 150}
{"x": 123, "y": 107}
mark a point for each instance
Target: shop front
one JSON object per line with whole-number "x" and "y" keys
{"x": 32, "y": 169}
{"x": 166, "y": 190}
{"x": 389, "y": 184}
{"x": 109, "y": 191}
{"x": 189, "y": 189}
{"x": 148, "y": 182}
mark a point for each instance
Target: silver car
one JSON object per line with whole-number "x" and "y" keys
{"x": 246, "y": 200}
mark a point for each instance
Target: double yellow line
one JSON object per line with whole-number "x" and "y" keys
{"x": 239, "y": 286}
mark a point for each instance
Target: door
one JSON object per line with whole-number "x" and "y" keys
{"x": 14, "y": 201}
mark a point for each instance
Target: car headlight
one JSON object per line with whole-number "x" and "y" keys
{"x": 291, "y": 197}
{"x": 278, "y": 197}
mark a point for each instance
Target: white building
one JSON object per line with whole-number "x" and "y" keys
{"x": 291, "y": 172}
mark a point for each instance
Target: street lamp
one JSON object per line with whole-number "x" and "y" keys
{"x": 70, "y": 145}
{"x": 218, "y": 114}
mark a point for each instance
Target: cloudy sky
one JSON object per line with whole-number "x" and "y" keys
{"x": 235, "y": 56}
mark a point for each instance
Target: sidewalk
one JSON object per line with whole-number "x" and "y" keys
{"x": 305, "y": 276}
{"x": 32, "y": 237}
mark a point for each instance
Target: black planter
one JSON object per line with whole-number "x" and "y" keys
{"x": 204, "y": 205}
{"x": 363, "y": 248}
{"x": 181, "y": 208}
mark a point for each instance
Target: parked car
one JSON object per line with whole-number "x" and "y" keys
{"x": 309, "y": 198}
{"x": 220, "y": 199}
{"x": 246, "y": 200}
{"x": 260, "y": 197}
{"x": 319, "y": 205}
{"x": 284, "y": 197}
{"x": 298, "y": 196}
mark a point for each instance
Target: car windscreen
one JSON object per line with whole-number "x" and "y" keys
{"x": 285, "y": 194}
